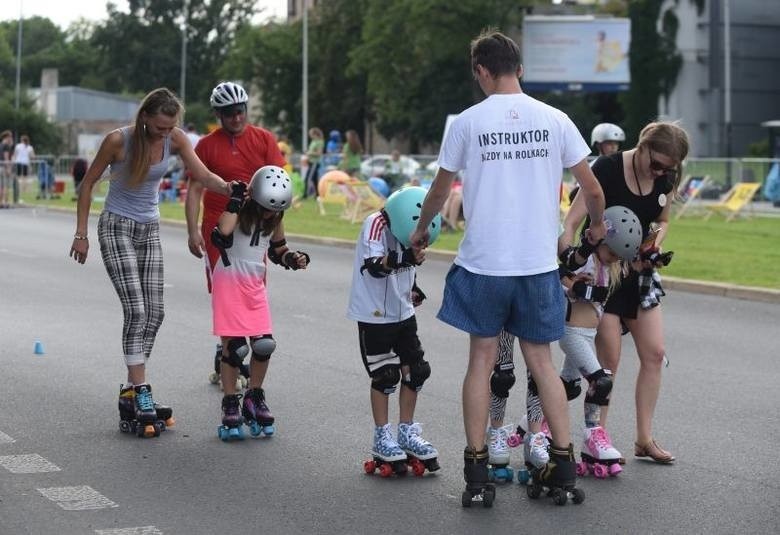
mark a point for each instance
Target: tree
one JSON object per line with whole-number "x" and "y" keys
{"x": 415, "y": 54}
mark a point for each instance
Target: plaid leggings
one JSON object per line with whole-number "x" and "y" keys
{"x": 132, "y": 255}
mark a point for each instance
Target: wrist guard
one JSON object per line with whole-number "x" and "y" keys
{"x": 375, "y": 267}
{"x": 407, "y": 259}
{"x": 587, "y": 292}
{"x": 236, "y": 198}
{"x": 418, "y": 296}
{"x": 656, "y": 257}
{"x": 289, "y": 261}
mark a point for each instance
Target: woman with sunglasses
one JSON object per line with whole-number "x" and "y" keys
{"x": 644, "y": 180}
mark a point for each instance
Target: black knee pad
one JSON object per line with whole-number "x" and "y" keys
{"x": 237, "y": 352}
{"x": 573, "y": 388}
{"x": 419, "y": 371}
{"x": 385, "y": 378}
{"x": 263, "y": 347}
{"x": 502, "y": 379}
{"x": 599, "y": 387}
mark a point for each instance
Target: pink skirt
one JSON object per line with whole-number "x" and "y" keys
{"x": 239, "y": 305}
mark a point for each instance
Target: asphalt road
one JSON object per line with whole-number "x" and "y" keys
{"x": 66, "y": 469}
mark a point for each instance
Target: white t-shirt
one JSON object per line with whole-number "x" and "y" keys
{"x": 379, "y": 300}
{"x": 512, "y": 149}
{"x": 22, "y": 153}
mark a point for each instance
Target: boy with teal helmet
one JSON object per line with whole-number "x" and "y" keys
{"x": 382, "y": 299}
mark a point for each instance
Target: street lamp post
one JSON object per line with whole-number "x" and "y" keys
{"x": 305, "y": 96}
{"x": 19, "y": 59}
{"x": 183, "y": 78}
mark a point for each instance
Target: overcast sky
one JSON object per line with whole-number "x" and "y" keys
{"x": 62, "y": 13}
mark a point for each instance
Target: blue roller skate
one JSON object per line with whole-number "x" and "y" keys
{"x": 231, "y": 419}
{"x": 498, "y": 454}
{"x": 387, "y": 456}
{"x": 256, "y": 413}
{"x": 420, "y": 454}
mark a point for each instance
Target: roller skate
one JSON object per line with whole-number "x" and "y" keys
{"x": 475, "y": 472}
{"x": 558, "y": 478}
{"x": 214, "y": 377}
{"x": 231, "y": 419}
{"x": 138, "y": 413}
{"x": 387, "y": 455}
{"x": 498, "y": 454}
{"x": 420, "y": 454}
{"x": 256, "y": 413}
{"x": 599, "y": 457}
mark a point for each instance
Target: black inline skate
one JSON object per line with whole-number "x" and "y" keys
{"x": 558, "y": 478}
{"x": 475, "y": 472}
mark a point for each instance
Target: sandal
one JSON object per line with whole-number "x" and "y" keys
{"x": 654, "y": 451}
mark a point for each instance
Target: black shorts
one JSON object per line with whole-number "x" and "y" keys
{"x": 624, "y": 301}
{"x": 383, "y": 344}
{"x": 22, "y": 169}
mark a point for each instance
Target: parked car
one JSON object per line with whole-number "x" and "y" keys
{"x": 376, "y": 164}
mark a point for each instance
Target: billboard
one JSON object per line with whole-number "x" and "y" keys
{"x": 576, "y": 53}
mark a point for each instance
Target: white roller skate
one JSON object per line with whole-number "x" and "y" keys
{"x": 498, "y": 454}
{"x": 599, "y": 457}
{"x": 387, "y": 455}
{"x": 535, "y": 449}
{"x": 420, "y": 453}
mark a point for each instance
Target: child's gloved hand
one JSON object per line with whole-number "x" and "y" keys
{"x": 237, "y": 194}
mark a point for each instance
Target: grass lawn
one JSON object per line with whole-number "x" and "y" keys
{"x": 744, "y": 251}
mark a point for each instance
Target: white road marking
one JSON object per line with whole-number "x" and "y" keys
{"x": 5, "y": 439}
{"x": 77, "y": 498}
{"x": 27, "y": 464}
{"x": 141, "y": 530}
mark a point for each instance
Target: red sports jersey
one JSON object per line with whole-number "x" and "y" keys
{"x": 232, "y": 158}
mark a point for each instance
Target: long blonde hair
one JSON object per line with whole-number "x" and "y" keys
{"x": 159, "y": 101}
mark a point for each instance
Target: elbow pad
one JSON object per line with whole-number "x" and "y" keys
{"x": 222, "y": 242}
{"x": 375, "y": 268}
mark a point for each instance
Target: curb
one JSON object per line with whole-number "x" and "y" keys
{"x": 733, "y": 291}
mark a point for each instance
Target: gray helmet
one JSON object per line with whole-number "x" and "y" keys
{"x": 606, "y": 132}
{"x": 624, "y": 232}
{"x": 228, "y": 94}
{"x": 271, "y": 188}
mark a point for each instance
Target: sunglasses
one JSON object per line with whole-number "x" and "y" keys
{"x": 232, "y": 111}
{"x": 655, "y": 165}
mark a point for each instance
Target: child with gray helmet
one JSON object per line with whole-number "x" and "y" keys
{"x": 382, "y": 299}
{"x": 248, "y": 231}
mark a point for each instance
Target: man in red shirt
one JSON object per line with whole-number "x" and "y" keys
{"x": 234, "y": 151}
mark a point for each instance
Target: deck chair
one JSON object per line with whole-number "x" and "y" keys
{"x": 565, "y": 202}
{"x": 361, "y": 200}
{"x": 334, "y": 194}
{"x": 689, "y": 191}
{"x": 734, "y": 201}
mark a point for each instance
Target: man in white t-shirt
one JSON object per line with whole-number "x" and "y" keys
{"x": 192, "y": 135}
{"x": 512, "y": 150}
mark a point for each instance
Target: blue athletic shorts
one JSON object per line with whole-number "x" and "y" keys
{"x": 530, "y": 307}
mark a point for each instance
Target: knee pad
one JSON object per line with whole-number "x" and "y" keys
{"x": 237, "y": 352}
{"x": 502, "y": 380}
{"x": 263, "y": 347}
{"x": 385, "y": 378}
{"x": 600, "y": 386}
{"x": 573, "y": 388}
{"x": 418, "y": 373}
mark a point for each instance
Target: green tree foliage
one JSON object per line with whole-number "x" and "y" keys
{"x": 141, "y": 50}
{"x": 415, "y": 56}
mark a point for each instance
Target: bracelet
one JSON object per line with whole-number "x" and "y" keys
{"x": 80, "y": 237}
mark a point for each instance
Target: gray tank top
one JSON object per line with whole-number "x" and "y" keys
{"x": 137, "y": 203}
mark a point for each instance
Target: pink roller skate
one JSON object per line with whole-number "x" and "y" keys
{"x": 598, "y": 455}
